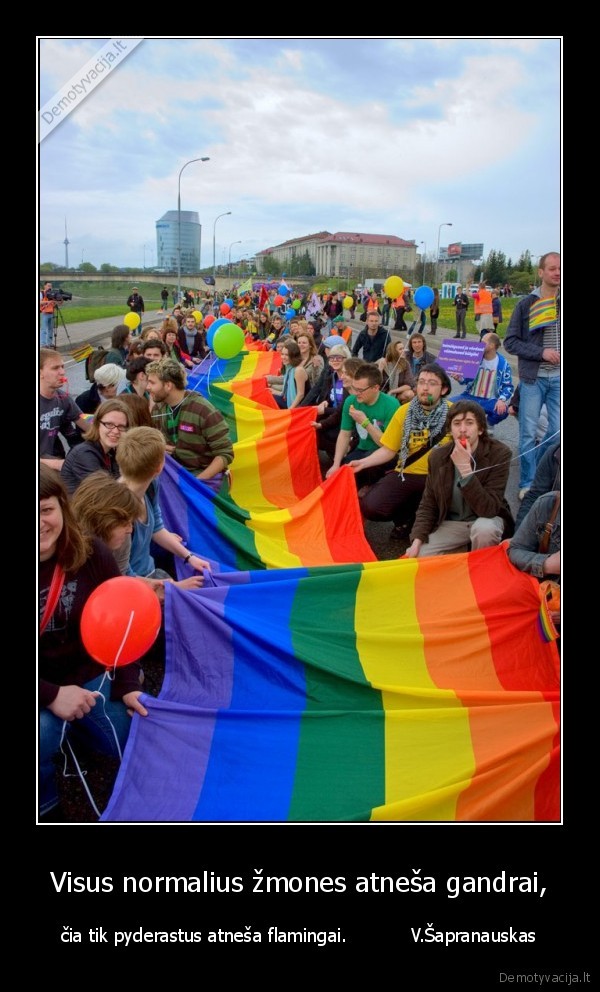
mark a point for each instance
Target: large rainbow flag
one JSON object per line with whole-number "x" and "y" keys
{"x": 307, "y": 682}
{"x": 279, "y": 514}
{"x": 417, "y": 690}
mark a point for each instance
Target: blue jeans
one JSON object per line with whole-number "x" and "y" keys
{"x": 46, "y": 330}
{"x": 94, "y": 728}
{"x": 493, "y": 418}
{"x": 545, "y": 389}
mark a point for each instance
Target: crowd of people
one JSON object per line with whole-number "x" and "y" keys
{"x": 424, "y": 461}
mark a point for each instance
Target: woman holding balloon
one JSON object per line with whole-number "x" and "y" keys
{"x": 76, "y": 696}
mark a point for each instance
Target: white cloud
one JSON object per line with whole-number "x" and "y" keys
{"x": 284, "y": 148}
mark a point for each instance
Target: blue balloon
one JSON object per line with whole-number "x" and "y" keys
{"x": 228, "y": 301}
{"x": 214, "y": 327}
{"x": 283, "y": 290}
{"x": 290, "y": 313}
{"x": 424, "y": 297}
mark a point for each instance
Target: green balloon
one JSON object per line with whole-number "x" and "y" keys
{"x": 228, "y": 341}
{"x": 296, "y": 304}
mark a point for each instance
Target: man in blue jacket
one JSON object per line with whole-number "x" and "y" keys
{"x": 534, "y": 336}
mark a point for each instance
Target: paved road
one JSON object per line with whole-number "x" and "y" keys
{"x": 98, "y": 332}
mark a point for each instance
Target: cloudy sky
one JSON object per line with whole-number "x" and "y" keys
{"x": 377, "y": 135}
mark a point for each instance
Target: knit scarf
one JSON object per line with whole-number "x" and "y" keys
{"x": 419, "y": 420}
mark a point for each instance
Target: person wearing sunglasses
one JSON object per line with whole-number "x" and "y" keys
{"x": 97, "y": 452}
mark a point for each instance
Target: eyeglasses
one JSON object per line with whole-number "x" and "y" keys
{"x": 359, "y": 392}
{"x": 111, "y": 428}
{"x": 336, "y": 358}
{"x": 428, "y": 382}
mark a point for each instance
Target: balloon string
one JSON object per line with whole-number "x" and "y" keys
{"x": 107, "y": 675}
{"x": 125, "y": 636}
{"x": 521, "y": 455}
{"x": 80, "y": 771}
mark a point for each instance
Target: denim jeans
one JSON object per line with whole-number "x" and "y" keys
{"x": 46, "y": 330}
{"x": 94, "y": 728}
{"x": 545, "y": 389}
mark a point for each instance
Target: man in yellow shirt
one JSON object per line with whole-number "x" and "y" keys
{"x": 413, "y": 431}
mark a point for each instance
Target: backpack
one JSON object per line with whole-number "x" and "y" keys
{"x": 94, "y": 361}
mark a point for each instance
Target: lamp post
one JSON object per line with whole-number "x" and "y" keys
{"x": 229, "y": 262}
{"x": 226, "y": 214}
{"x": 189, "y": 162}
{"x": 437, "y": 257}
{"x": 424, "y": 259}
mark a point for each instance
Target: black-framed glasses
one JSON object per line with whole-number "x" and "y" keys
{"x": 111, "y": 428}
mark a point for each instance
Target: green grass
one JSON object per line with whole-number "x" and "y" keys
{"x": 96, "y": 299}
{"x": 447, "y": 315}
{"x": 77, "y": 314}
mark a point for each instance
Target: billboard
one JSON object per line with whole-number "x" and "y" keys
{"x": 454, "y": 249}
{"x": 472, "y": 251}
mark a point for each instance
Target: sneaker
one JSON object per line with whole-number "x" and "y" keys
{"x": 523, "y": 492}
{"x": 491, "y": 431}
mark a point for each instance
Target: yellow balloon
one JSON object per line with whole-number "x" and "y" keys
{"x": 348, "y": 302}
{"x": 197, "y": 316}
{"x": 132, "y": 320}
{"x": 393, "y": 287}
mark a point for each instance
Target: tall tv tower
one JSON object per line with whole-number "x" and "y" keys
{"x": 66, "y": 244}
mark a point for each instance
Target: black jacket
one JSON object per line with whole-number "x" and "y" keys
{"x": 373, "y": 347}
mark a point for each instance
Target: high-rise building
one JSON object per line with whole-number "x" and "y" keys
{"x": 167, "y": 240}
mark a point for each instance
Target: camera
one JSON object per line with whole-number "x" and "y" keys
{"x": 58, "y": 295}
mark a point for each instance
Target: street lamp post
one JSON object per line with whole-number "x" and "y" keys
{"x": 229, "y": 262}
{"x": 189, "y": 162}
{"x": 424, "y": 259}
{"x": 226, "y": 214}
{"x": 437, "y": 257}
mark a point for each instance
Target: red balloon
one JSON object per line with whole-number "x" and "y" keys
{"x": 224, "y": 308}
{"x": 278, "y": 300}
{"x": 120, "y": 621}
{"x": 209, "y": 319}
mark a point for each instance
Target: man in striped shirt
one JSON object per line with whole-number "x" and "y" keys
{"x": 534, "y": 336}
{"x": 196, "y": 433}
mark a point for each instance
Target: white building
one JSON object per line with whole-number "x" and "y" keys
{"x": 346, "y": 254}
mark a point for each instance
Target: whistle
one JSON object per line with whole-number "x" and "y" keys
{"x": 429, "y": 398}
{"x": 463, "y": 441}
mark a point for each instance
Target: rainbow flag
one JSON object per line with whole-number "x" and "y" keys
{"x": 417, "y": 690}
{"x": 278, "y": 513}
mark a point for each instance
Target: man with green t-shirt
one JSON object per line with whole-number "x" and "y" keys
{"x": 369, "y": 411}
